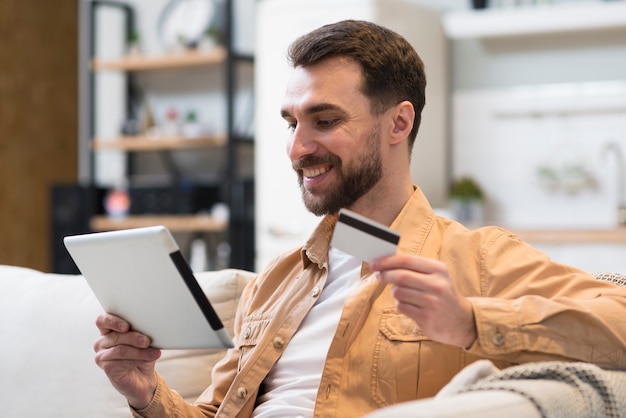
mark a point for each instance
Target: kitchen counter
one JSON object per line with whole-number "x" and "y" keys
{"x": 573, "y": 236}
{"x": 590, "y": 249}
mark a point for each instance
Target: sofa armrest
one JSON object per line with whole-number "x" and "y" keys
{"x": 484, "y": 404}
{"x": 47, "y": 324}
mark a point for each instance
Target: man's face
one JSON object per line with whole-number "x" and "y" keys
{"x": 334, "y": 144}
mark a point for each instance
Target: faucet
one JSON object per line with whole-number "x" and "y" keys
{"x": 614, "y": 147}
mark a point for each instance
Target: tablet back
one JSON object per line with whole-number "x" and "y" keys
{"x": 140, "y": 275}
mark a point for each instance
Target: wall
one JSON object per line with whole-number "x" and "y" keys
{"x": 540, "y": 152}
{"x": 38, "y": 94}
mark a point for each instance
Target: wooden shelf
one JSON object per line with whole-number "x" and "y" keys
{"x": 144, "y": 143}
{"x": 573, "y": 236}
{"x": 175, "y": 223}
{"x": 536, "y": 20}
{"x": 173, "y": 60}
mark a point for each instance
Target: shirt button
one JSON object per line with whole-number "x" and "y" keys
{"x": 278, "y": 343}
{"x": 498, "y": 339}
{"x": 315, "y": 292}
{"x": 242, "y": 392}
{"x": 247, "y": 333}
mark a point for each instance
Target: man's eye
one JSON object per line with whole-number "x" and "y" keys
{"x": 326, "y": 123}
{"x": 291, "y": 127}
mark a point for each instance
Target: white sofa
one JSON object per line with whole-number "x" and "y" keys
{"x": 47, "y": 331}
{"x": 47, "y": 369}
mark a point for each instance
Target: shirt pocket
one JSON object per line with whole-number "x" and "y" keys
{"x": 395, "y": 366}
{"x": 252, "y": 331}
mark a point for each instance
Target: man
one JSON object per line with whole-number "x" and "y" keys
{"x": 318, "y": 333}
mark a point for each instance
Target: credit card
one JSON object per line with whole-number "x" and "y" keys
{"x": 362, "y": 237}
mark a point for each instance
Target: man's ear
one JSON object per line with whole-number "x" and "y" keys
{"x": 403, "y": 117}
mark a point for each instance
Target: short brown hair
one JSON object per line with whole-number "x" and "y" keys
{"x": 392, "y": 69}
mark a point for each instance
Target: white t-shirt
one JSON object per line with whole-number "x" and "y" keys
{"x": 291, "y": 386}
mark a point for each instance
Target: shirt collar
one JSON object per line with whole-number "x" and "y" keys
{"x": 414, "y": 223}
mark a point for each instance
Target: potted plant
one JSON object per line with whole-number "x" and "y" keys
{"x": 133, "y": 43}
{"x": 466, "y": 200}
{"x": 211, "y": 38}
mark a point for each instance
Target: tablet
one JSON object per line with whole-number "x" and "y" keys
{"x": 140, "y": 275}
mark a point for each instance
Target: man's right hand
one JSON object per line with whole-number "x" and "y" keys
{"x": 127, "y": 359}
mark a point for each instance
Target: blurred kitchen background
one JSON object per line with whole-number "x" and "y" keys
{"x": 525, "y": 99}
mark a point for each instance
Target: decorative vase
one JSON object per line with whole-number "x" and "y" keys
{"x": 469, "y": 212}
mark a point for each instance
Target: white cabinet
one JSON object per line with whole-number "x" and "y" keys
{"x": 282, "y": 222}
{"x": 536, "y": 20}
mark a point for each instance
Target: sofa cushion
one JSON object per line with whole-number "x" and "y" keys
{"x": 189, "y": 371}
{"x": 47, "y": 324}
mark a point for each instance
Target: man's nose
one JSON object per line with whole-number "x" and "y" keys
{"x": 300, "y": 144}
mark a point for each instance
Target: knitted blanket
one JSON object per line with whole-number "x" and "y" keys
{"x": 557, "y": 389}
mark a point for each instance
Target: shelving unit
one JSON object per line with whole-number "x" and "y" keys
{"x": 233, "y": 190}
{"x": 536, "y": 20}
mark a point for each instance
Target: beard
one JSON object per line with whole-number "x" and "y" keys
{"x": 352, "y": 182}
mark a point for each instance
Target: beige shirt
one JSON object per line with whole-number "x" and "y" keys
{"x": 527, "y": 308}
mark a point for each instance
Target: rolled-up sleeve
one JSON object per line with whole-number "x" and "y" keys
{"x": 532, "y": 309}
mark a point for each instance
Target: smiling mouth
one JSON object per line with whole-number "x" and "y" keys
{"x": 314, "y": 172}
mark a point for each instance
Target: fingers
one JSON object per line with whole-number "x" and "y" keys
{"x": 418, "y": 281}
{"x": 414, "y": 263}
{"x": 126, "y": 353}
{"x": 117, "y": 341}
{"x": 130, "y": 348}
{"x": 414, "y": 296}
{"x": 116, "y": 331}
{"x": 130, "y": 338}
{"x": 108, "y": 322}
{"x": 413, "y": 272}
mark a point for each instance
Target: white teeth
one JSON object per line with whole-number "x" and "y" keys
{"x": 314, "y": 172}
